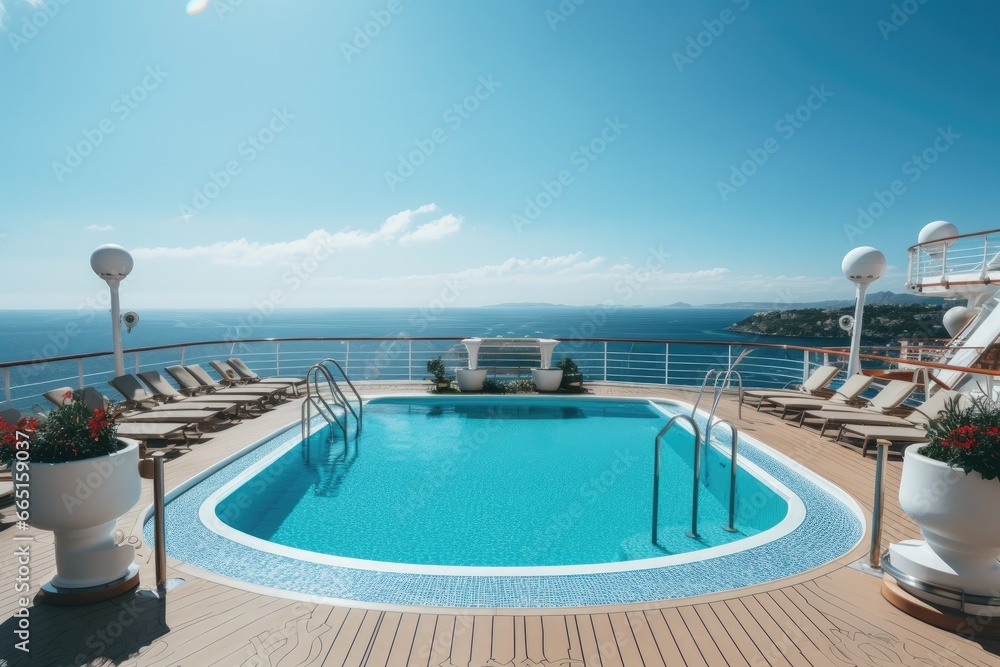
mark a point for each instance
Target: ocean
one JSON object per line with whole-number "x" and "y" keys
{"x": 39, "y": 334}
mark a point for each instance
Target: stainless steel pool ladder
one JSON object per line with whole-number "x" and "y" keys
{"x": 317, "y": 377}
{"x": 696, "y": 465}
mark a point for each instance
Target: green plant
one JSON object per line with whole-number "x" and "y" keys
{"x": 69, "y": 433}
{"x": 967, "y": 437}
{"x": 436, "y": 368}
{"x": 572, "y": 379}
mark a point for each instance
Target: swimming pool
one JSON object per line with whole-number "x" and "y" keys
{"x": 504, "y": 502}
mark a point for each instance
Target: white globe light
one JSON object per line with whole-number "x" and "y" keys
{"x": 939, "y": 230}
{"x": 111, "y": 262}
{"x": 863, "y": 265}
{"x": 956, "y": 318}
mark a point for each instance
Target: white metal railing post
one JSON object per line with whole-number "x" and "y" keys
{"x": 805, "y": 366}
{"x": 136, "y": 363}
{"x": 277, "y": 358}
{"x": 347, "y": 359}
{"x": 183, "y": 351}
{"x": 79, "y": 372}
{"x": 986, "y": 243}
{"x": 409, "y": 359}
{"x": 6, "y": 384}
{"x": 666, "y": 363}
{"x": 944, "y": 263}
{"x": 605, "y": 361}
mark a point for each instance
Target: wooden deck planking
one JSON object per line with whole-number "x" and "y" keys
{"x": 834, "y": 617}
{"x": 644, "y": 640}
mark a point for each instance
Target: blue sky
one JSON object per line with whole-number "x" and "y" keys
{"x": 393, "y": 152}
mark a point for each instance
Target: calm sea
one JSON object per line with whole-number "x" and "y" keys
{"x": 40, "y": 333}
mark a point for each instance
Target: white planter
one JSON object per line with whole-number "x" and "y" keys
{"x": 472, "y": 346}
{"x": 546, "y": 379}
{"x": 80, "y": 502}
{"x": 959, "y": 519}
{"x": 471, "y": 379}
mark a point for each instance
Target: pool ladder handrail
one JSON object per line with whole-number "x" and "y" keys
{"x": 697, "y": 473}
{"x": 342, "y": 398}
{"x": 712, "y": 422}
{"x": 314, "y": 398}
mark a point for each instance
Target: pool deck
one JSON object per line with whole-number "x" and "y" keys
{"x": 833, "y": 615}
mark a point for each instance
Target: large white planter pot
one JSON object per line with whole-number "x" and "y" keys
{"x": 80, "y": 502}
{"x": 471, "y": 379}
{"x": 547, "y": 379}
{"x": 959, "y": 517}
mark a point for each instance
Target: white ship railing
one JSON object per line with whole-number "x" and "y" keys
{"x": 968, "y": 259}
{"x": 678, "y": 363}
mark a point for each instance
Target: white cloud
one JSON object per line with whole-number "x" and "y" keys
{"x": 35, "y": 3}
{"x": 3, "y": 15}
{"x": 98, "y": 228}
{"x": 446, "y": 225}
{"x": 317, "y": 243}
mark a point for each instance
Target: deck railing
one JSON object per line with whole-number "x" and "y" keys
{"x": 661, "y": 362}
{"x": 968, "y": 258}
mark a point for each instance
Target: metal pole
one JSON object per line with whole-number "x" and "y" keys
{"x": 666, "y": 363}
{"x": 656, "y": 486}
{"x": 161, "y": 545}
{"x": 875, "y": 549}
{"x": 854, "y": 361}
{"x": 605, "y": 361}
{"x": 116, "y": 327}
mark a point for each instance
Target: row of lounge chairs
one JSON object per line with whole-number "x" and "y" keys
{"x": 866, "y": 420}
{"x": 153, "y": 409}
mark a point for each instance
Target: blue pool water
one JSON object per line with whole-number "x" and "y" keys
{"x": 823, "y": 524}
{"x": 497, "y": 482}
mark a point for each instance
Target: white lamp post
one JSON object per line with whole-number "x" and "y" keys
{"x": 112, "y": 263}
{"x": 862, "y": 266}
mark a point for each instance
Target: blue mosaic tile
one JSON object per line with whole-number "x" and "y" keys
{"x": 829, "y": 530}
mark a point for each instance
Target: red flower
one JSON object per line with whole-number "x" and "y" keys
{"x": 97, "y": 423}
{"x": 963, "y": 437}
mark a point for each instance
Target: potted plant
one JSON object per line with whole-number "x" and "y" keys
{"x": 950, "y": 487}
{"x": 80, "y": 478}
{"x": 436, "y": 368}
{"x": 572, "y": 378}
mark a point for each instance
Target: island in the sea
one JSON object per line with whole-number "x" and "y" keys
{"x": 882, "y": 322}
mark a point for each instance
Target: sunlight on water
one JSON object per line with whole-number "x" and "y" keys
{"x": 196, "y": 6}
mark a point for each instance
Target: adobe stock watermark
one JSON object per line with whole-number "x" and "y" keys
{"x": 121, "y": 108}
{"x": 562, "y": 12}
{"x": 915, "y": 167}
{"x": 786, "y": 126}
{"x": 899, "y": 16}
{"x": 370, "y": 30}
{"x": 584, "y": 156}
{"x": 454, "y": 116}
{"x": 47, "y": 10}
{"x": 699, "y": 42}
{"x": 248, "y": 150}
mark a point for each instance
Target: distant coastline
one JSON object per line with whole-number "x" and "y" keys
{"x": 883, "y": 322}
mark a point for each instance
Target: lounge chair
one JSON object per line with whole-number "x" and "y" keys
{"x": 813, "y": 386}
{"x": 141, "y": 431}
{"x": 137, "y": 397}
{"x": 884, "y": 403}
{"x": 168, "y": 432}
{"x": 845, "y": 395}
{"x": 273, "y": 392}
{"x": 930, "y": 410}
{"x": 231, "y": 377}
{"x": 247, "y": 373}
{"x": 194, "y": 385}
{"x": 164, "y": 391}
